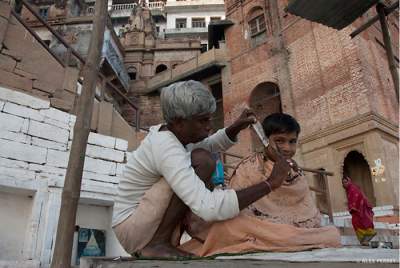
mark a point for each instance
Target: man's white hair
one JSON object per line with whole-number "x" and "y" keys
{"x": 186, "y": 99}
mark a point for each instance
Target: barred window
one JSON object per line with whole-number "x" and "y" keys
{"x": 198, "y": 22}
{"x": 180, "y": 23}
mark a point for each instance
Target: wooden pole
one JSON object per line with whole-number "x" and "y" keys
{"x": 371, "y": 21}
{"x": 328, "y": 197}
{"x": 73, "y": 178}
{"x": 380, "y": 8}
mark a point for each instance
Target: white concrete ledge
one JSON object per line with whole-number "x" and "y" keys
{"x": 23, "y": 99}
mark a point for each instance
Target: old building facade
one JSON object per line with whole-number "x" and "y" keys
{"x": 338, "y": 88}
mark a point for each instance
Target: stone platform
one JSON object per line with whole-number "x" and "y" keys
{"x": 336, "y": 258}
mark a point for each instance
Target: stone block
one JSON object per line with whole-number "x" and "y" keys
{"x": 48, "y": 144}
{"x": 12, "y": 54}
{"x": 23, "y": 152}
{"x": 120, "y": 169}
{"x": 25, "y": 74}
{"x": 61, "y": 104}
{"x": 65, "y": 95}
{"x": 55, "y": 114}
{"x": 57, "y": 123}
{"x": 105, "y": 153}
{"x": 99, "y": 187}
{"x": 70, "y": 79}
{"x": 48, "y": 132}
{"x": 22, "y": 98}
{"x": 47, "y": 169}
{"x": 11, "y": 122}
{"x": 23, "y": 111}
{"x": 105, "y": 118}
{"x": 44, "y": 86}
{"x": 15, "y": 136}
{"x": 99, "y": 177}
{"x": 101, "y": 140}
{"x": 5, "y": 9}
{"x": 12, "y": 163}
{"x": 15, "y": 81}
{"x": 100, "y": 166}
{"x": 121, "y": 144}
{"x": 57, "y": 158}
{"x": 25, "y": 126}
{"x": 7, "y": 63}
{"x": 3, "y": 29}
{"x": 16, "y": 173}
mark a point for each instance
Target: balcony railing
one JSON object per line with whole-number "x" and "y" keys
{"x": 123, "y": 6}
{"x": 124, "y": 10}
{"x": 156, "y": 5}
{"x": 186, "y": 30}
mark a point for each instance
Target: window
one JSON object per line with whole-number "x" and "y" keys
{"x": 203, "y": 48}
{"x": 161, "y": 68}
{"x": 215, "y": 18}
{"x": 198, "y": 23}
{"x": 180, "y": 23}
{"x": 257, "y": 25}
{"x": 44, "y": 12}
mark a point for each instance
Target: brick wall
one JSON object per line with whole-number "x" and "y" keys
{"x": 331, "y": 78}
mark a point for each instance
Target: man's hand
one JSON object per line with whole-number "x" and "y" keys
{"x": 280, "y": 170}
{"x": 243, "y": 121}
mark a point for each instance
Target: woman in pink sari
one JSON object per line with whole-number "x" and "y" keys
{"x": 361, "y": 212}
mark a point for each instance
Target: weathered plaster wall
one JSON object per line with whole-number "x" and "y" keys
{"x": 16, "y": 209}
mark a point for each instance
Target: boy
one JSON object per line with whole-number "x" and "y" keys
{"x": 285, "y": 220}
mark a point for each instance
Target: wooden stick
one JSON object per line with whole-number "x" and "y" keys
{"x": 73, "y": 178}
{"x": 388, "y": 47}
{"x": 374, "y": 19}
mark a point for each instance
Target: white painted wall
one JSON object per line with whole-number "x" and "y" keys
{"x": 172, "y": 16}
{"x": 15, "y": 211}
{"x": 35, "y": 142}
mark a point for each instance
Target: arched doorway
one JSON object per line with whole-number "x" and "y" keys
{"x": 356, "y": 167}
{"x": 264, "y": 100}
{"x": 160, "y": 68}
{"x": 132, "y": 73}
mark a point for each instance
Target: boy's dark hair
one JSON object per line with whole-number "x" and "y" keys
{"x": 280, "y": 123}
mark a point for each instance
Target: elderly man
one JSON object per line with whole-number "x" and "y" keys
{"x": 170, "y": 173}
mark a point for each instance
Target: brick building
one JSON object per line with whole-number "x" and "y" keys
{"x": 339, "y": 89}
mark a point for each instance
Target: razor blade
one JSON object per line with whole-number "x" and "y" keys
{"x": 260, "y": 133}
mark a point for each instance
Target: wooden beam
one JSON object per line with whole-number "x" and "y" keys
{"x": 374, "y": 19}
{"x": 318, "y": 171}
{"x": 380, "y": 8}
{"x": 73, "y": 178}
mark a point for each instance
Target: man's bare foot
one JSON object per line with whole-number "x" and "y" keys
{"x": 164, "y": 250}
